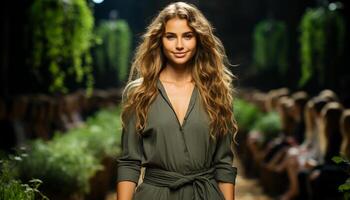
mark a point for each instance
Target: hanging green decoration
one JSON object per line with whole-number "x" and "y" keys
{"x": 271, "y": 46}
{"x": 322, "y": 43}
{"x": 114, "y": 51}
{"x": 61, "y": 36}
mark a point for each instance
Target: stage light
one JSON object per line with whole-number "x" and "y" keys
{"x": 97, "y": 1}
{"x": 335, "y": 6}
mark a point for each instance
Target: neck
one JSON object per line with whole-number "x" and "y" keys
{"x": 176, "y": 73}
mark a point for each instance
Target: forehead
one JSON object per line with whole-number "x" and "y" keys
{"x": 177, "y": 25}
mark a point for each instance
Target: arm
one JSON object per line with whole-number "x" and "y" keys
{"x": 225, "y": 173}
{"x": 129, "y": 163}
{"x": 228, "y": 189}
{"x": 125, "y": 190}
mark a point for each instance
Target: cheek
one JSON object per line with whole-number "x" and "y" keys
{"x": 193, "y": 47}
{"x": 166, "y": 45}
{"x": 166, "y": 49}
{"x": 193, "y": 51}
{"x": 192, "y": 44}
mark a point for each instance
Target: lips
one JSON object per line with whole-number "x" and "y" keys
{"x": 180, "y": 54}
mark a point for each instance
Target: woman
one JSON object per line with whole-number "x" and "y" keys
{"x": 325, "y": 179}
{"x": 345, "y": 130}
{"x": 309, "y": 154}
{"x": 177, "y": 113}
{"x": 330, "y": 135}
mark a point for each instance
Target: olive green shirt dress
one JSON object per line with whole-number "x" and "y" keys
{"x": 181, "y": 161}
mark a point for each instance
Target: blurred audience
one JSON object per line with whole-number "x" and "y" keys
{"x": 313, "y": 131}
{"x": 27, "y": 117}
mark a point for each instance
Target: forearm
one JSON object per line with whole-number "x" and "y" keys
{"x": 125, "y": 190}
{"x": 228, "y": 189}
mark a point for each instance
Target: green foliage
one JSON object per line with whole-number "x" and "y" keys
{"x": 100, "y": 134}
{"x": 62, "y": 35}
{"x": 345, "y": 187}
{"x": 65, "y": 164}
{"x": 13, "y": 189}
{"x": 271, "y": 46}
{"x": 340, "y": 159}
{"x": 269, "y": 126}
{"x": 71, "y": 159}
{"x": 246, "y": 114}
{"x": 114, "y": 51}
{"x": 322, "y": 42}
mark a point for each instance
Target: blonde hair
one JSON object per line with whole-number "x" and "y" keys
{"x": 329, "y": 95}
{"x": 331, "y": 114}
{"x": 283, "y": 107}
{"x": 310, "y": 124}
{"x": 345, "y": 130}
{"x": 209, "y": 71}
{"x": 273, "y": 97}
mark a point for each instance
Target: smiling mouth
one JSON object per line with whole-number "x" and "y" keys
{"x": 180, "y": 55}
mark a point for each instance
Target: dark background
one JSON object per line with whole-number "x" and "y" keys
{"x": 234, "y": 21}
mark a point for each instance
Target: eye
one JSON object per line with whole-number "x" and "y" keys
{"x": 169, "y": 37}
{"x": 188, "y": 36}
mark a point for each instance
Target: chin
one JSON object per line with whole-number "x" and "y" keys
{"x": 180, "y": 61}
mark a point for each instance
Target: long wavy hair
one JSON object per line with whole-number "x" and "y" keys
{"x": 345, "y": 130}
{"x": 310, "y": 123}
{"x": 330, "y": 135}
{"x": 209, "y": 71}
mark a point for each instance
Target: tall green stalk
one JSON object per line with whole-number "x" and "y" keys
{"x": 322, "y": 43}
{"x": 61, "y": 36}
{"x": 114, "y": 52}
{"x": 271, "y": 46}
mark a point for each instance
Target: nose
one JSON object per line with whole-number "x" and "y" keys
{"x": 179, "y": 45}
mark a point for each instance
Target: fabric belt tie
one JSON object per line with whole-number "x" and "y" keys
{"x": 203, "y": 188}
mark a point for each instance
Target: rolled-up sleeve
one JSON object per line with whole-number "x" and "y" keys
{"x": 223, "y": 160}
{"x": 129, "y": 162}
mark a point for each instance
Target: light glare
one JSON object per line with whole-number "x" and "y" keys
{"x": 97, "y": 1}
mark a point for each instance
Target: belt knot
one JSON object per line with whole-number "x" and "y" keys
{"x": 203, "y": 188}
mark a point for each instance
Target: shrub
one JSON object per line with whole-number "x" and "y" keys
{"x": 71, "y": 159}
{"x": 65, "y": 164}
{"x": 345, "y": 163}
{"x": 13, "y": 189}
{"x": 246, "y": 114}
{"x": 100, "y": 134}
{"x": 269, "y": 126}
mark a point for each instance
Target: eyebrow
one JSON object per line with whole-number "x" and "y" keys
{"x": 188, "y": 32}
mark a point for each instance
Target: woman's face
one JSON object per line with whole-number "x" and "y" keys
{"x": 179, "y": 41}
